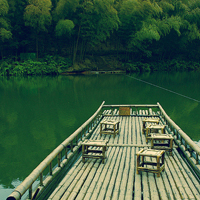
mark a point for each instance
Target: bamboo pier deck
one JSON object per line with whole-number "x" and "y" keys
{"x": 117, "y": 178}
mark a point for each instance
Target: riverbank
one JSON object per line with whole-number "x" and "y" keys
{"x": 55, "y": 65}
{"x": 113, "y": 63}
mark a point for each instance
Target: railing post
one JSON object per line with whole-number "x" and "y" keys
{"x": 59, "y": 159}
{"x": 30, "y": 192}
{"x": 190, "y": 150}
{"x": 50, "y": 169}
{"x": 81, "y": 135}
{"x": 88, "y": 128}
{"x": 181, "y": 139}
{"x": 197, "y": 158}
{"x": 41, "y": 179}
{"x": 71, "y": 146}
{"x": 76, "y": 140}
{"x": 66, "y": 153}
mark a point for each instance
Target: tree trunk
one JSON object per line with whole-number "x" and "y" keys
{"x": 1, "y": 52}
{"x": 76, "y": 46}
{"x": 37, "y": 46}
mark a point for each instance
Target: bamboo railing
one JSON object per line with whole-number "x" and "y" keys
{"x": 134, "y": 107}
{"x": 80, "y": 134}
{"x": 183, "y": 141}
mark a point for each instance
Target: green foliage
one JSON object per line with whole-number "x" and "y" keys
{"x": 139, "y": 30}
{"x": 4, "y": 7}
{"x": 64, "y": 27}
{"x": 4, "y": 23}
{"x": 166, "y": 7}
{"x": 48, "y": 66}
{"x": 65, "y": 8}
{"x": 193, "y": 32}
{"x": 174, "y": 65}
{"x": 37, "y": 14}
{"x": 137, "y": 67}
{"x": 108, "y": 19}
{"x": 5, "y": 34}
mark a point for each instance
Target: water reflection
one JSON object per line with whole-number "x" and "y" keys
{"x": 38, "y": 113}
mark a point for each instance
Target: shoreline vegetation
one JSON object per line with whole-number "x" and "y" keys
{"x": 50, "y": 37}
{"x": 62, "y": 66}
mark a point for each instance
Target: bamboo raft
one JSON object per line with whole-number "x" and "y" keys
{"x": 117, "y": 178}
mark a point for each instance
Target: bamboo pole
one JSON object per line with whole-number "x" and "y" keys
{"x": 132, "y": 105}
{"x": 128, "y": 145}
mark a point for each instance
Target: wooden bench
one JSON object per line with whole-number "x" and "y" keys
{"x": 94, "y": 149}
{"x": 162, "y": 142}
{"x": 154, "y": 129}
{"x": 157, "y": 155}
{"x": 148, "y": 120}
{"x": 110, "y": 127}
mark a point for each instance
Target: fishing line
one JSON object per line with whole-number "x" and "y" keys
{"x": 163, "y": 88}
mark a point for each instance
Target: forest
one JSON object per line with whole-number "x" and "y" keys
{"x": 52, "y": 36}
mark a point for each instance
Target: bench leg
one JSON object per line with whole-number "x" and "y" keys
{"x": 158, "y": 166}
{"x": 83, "y": 159}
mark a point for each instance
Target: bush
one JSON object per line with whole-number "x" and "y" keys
{"x": 131, "y": 67}
{"x": 137, "y": 67}
{"x": 47, "y": 66}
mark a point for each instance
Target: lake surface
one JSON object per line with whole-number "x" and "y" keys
{"x": 38, "y": 113}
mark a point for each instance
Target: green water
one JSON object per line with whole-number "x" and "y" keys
{"x": 38, "y": 113}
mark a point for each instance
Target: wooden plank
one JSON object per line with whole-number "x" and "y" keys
{"x": 118, "y": 181}
{"x": 172, "y": 181}
{"x": 131, "y": 177}
{"x": 80, "y": 181}
{"x": 189, "y": 176}
{"x": 180, "y": 183}
{"x": 137, "y": 184}
{"x": 65, "y": 179}
{"x": 88, "y": 181}
{"x": 152, "y": 183}
{"x": 133, "y": 127}
{"x": 71, "y": 183}
{"x": 108, "y": 175}
{"x": 161, "y": 188}
{"x": 102, "y": 176}
{"x": 115, "y": 172}
{"x": 95, "y": 179}
{"x": 145, "y": 186}
{"x": 185, "y": 180}
{"x": 126, "y": 132}
{"x": 167, "y": 186}
{"x": 125, "y": 174}
{"x": 117, "y": 178}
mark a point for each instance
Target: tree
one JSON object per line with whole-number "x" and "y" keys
{"x": 5, "y": 33}
{"x": 37, "y": 15}
{"x": 94, "y": 21}
{"x": 20, "y": 33}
